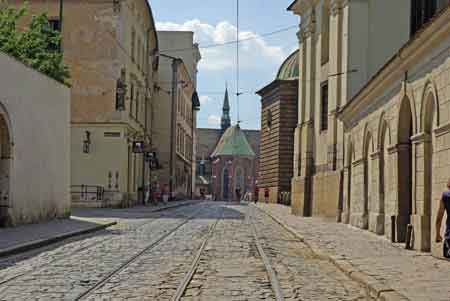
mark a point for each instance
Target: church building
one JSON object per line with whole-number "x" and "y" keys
{"x": 227, "y": 158}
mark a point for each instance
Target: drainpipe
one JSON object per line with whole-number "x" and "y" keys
{"x": 61, "y": 14}
{"x": 173, "y": 125}
{"x": 146, "y": 78}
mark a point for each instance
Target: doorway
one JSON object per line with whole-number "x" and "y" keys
{"x": 404, "y": 171}
{"x": 5, "y": 167}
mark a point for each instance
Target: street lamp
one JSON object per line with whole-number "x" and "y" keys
{"x": 175, "y": 62}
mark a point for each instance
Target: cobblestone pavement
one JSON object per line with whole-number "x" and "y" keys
{"x": 149, "y": 258}
{"x": 415, "y": 275}
{"x": 301, "y": 274}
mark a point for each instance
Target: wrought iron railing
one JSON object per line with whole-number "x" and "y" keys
{"x": 88, "y": 192}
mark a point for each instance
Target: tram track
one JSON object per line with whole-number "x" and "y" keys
{"x": 267, "y": 263}
{"x": 187, "y": 279}
{"x": 75, "y": 251}
{"x": 243, "y": 268}
{"x": 300, "y": 272}
{"x": 134, "y": 258}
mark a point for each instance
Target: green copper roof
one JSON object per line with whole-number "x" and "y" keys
{"x": 233, "y": 143}
{"x": 289, "y": 69}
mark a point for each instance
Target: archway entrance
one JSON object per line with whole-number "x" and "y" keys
{"x": 367, "y": 180}
{"x": 225, "y": 184}
{"x": 348, "y": 198}
{"x": 428, "y": 126}
{"x": 404, "y": 171}
{"x": 384, "y": 179}
{"x": 5, "y": 166}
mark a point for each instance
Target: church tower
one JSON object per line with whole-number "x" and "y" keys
{"x": 225, "y": 121}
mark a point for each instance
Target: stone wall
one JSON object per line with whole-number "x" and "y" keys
{"x": 401, "y": 176}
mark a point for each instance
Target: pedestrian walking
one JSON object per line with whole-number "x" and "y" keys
{"x": 256, "y": 194}
{"x": 444, "y": 207}
{"x": 266, "y": 194}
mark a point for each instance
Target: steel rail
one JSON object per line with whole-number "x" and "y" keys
{"x": 76, "y": 251}
{"x": 135, "y": 257}
{"x": 270, "y": 271}
{"x": 188, "y": 278}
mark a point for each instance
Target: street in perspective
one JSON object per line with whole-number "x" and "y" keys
{"x": 225, "y": 150}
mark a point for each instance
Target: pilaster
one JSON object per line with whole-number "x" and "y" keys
{"x": 334, "y": 81}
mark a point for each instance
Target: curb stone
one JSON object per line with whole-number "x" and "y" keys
{"x": 175, "y": 206}
{"x": 375, "y": 288}
{"x": 48, "y": 241}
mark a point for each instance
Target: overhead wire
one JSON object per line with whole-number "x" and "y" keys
{"x": 233, "y": 42}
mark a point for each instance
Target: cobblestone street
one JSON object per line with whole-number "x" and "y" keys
{"x": 206, "y": 251}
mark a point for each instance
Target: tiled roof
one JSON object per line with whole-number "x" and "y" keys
{"x": 290, "y": 68}
{"x": 233, "y": 143}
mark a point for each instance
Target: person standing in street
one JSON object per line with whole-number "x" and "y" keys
{"x": 444, "y": 207}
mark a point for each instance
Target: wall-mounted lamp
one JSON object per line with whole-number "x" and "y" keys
{"x": 87, "y": 143}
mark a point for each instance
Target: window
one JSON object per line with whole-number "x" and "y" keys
{"x": 133, "y": 44}
{"x": 421, "y": 12}
{"x": 137, "y": 105}
{"x": 131, "y": 99}
{"x": 138, "y": 58}
{"x": 269, "y": 118}
{"x": 324, "y": 107}
{"x": 55, "y": 24}
{"x": 325, "y": 51}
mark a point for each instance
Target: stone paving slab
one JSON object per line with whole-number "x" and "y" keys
{"x": 84, "y": 220}
{"x": 388, "y": 270}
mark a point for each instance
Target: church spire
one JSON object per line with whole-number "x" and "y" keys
{"x": 225, "y": 120}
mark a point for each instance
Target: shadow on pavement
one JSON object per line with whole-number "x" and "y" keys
{"x": 143, "y": 212}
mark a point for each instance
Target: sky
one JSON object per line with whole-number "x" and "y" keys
{"x": 214, "y": 22}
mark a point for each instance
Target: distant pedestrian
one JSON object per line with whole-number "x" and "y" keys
{"x": 256, "y": 194}
{"x": 444, "y": 207}
{"x": 266, "y": 194}
{"x": 238, "y": 194}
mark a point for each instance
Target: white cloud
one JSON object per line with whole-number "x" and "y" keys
{"x": 204, "y": 99}
{"x": 254, "y": 53}
{"x": 213, "y": 120}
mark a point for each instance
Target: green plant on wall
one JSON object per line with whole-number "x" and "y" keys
{"x": 37, "y": 46}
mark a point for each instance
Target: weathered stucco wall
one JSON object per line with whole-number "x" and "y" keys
{"x": 39, "y": 126}
{"x": 400, "y": 143}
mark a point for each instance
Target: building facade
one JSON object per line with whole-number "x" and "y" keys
{"x": 110, "y": 49}
{"x": 370, "y": 145}
{"x": 209, "y": 168}
{"x": 278, "y": 122}
{"x": 333, "y": 68}
{"x": 396, "y": 133}
{"x": 233, "y": 166}
{"x": 174, "y": 128}
{"x": 34, "y": 145}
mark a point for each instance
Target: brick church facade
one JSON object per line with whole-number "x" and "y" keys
{"x": 227, "y": 158}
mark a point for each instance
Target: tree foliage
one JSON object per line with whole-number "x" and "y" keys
{"x": 37, "y": 46}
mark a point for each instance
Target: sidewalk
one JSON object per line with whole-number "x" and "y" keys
{"x": 389, "y": 271}
{"x": 27, "y": 237}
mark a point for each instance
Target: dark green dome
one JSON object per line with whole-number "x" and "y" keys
{"x": 289, "y": 69}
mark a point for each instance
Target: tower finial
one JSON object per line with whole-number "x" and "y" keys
{"x": 225, "y": 120}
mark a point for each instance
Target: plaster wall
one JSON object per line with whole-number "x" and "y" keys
{"x": 38, "y": 118}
